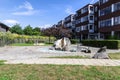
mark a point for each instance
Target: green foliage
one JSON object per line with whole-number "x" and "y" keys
{"x": 30, "y": 41}
{"x": 113, "y": 37}
{"x": 2, "y": 62}
{"x": 74, "y": 41}
{"x": 28, "y": 30}
{"x": 36, "y": 31}
{"x": 21, "y": 44}
{"x": 111, "y": 44}
{"x": 16, "y": 29}
{"x": 9, "y": 38}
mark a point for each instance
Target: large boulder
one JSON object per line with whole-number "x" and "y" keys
{"x": 62, "y": 44}
{"x": 101, "y": 54}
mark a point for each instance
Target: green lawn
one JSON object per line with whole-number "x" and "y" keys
{"x": 114, "y": 55}
{"x": 21, "y": 44}
{"x": 111, "y": 55}
{"x": 58, "y": 72}
{"x": 73, "y": 57}
{"x": 27, "y": 44}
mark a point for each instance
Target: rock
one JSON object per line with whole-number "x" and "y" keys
{"x": 62, "y": 44}
{"x": 101, "y": 54}
{"x": 86, "y": 50}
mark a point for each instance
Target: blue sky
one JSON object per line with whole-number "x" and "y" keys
{"x": 38, "y": 13}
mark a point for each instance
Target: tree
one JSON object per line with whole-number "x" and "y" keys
{"x": 28, "y": 30}
{"x": 16, "y": 29}
{"x": 36, "y": 31}
{"x": 58, "y": 32}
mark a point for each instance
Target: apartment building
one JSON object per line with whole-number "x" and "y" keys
{"x": 95, "y": 21}
{"x": 3, "y": 27}
{"x": 109, "y": 18}
{"x": 60, "y": 23}
{"x": 85, "y": 27}
{"x": 69, "y": 22}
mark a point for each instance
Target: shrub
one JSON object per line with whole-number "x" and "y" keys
{"x": 9, "y": 38}
{"x": 74, "y": 41}
{"x": 111, "y": 44}
{"x": 30, "y": 41}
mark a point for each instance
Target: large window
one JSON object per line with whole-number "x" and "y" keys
{"x": 83, "y": 19}
{"x": 106, "y": 23}
{"x": 117, "y": 6}
{"x": 105, "y": 11}
{"x": 103, "y": 1}
{"x": 117, "y": 20}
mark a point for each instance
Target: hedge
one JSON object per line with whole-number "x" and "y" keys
{"x": 74, "y": 41}
{"x": 111, "y": 44}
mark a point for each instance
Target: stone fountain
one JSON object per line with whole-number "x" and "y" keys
{"x": 63, "y": 44}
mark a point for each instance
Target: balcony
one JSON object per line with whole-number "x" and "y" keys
{"x": 91, "y": 9}
{"x": 91, "y": 31}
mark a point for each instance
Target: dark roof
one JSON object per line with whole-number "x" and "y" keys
{"x": 4, "y": 25}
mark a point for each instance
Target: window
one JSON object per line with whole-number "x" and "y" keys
{"x": 91, "y": 8}
{"x": 91, "y": 18}
{"x": 117, "y": 20}
{"x": 83, "y": 19}
{"x": 105, "y": 11}
{"x": 84, "y": 27}
{"x": 77, "y": 29}
{"x": 91, "y": 27}
{"x": 106, "y": 23}
{"x": 117, "y": 6}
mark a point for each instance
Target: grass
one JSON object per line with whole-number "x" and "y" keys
{"x": 72, "y": 57}
{"x": 2, "y": 62}
{"x": 21, "y": 44}
{"x": 114, "y": 55}
{"x": 27, "y": 44}
{"x": 58, "y": 72}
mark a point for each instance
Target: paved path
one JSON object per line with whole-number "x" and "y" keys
{"x": 55, "y": 61}
{"x": 38, "y": 54}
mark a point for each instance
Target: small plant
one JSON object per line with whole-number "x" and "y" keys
{"x": 2, "y": 62}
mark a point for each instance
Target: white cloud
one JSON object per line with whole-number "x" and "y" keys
{"x": 45, "y": 26}
{"x": 10, "y": 22}
{"x": 29, "y": 10}
{"x": 27, "y": 6}
{"x": 69, "y": 10}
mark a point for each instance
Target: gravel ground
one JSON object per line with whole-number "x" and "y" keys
{"x": 38, "y": 52}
